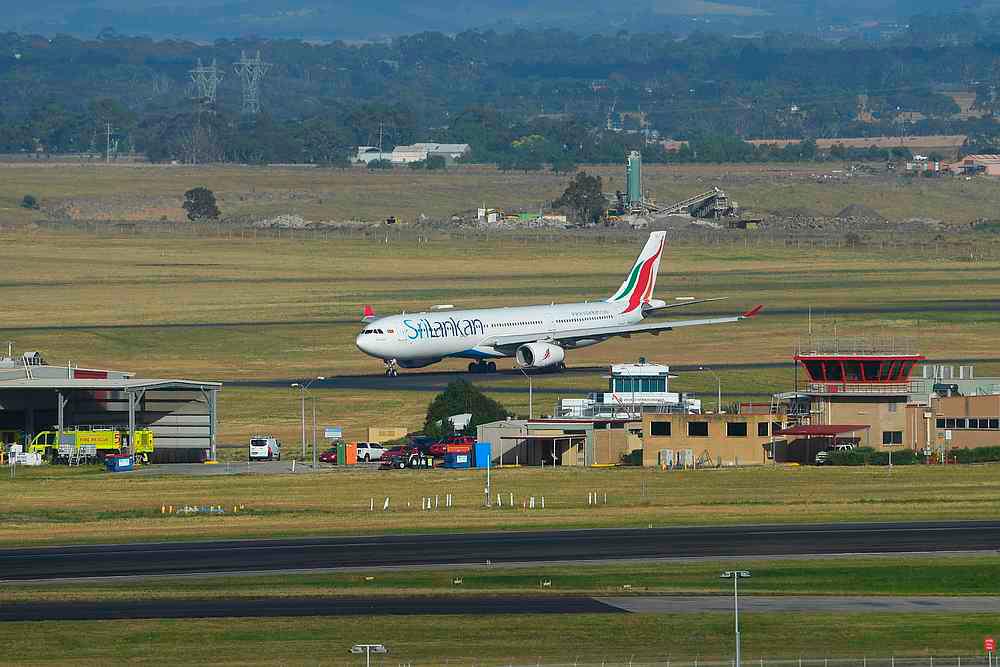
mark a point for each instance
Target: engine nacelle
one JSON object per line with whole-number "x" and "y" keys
{"x": 539, "y": 355}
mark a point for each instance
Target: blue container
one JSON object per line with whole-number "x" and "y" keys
{"x": 482, "y": 453}
{"x": 119, "y": 464}
{"x": 457, "y": 460}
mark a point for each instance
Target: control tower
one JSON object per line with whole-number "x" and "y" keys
{"x": 856, "y": 391}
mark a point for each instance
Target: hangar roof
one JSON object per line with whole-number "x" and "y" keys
{"x": 122, "y": 384}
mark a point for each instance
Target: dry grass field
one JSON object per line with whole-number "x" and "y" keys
{"x": 223, "y": 303}
{"x": 248, "y": 310}
{"x": 57, "y": 505}
{"x": 155, "y": 192}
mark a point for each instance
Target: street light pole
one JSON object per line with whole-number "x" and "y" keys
{"x": 736, "y": 575}
{"x": 368, "y": 649}
{"x": 303, "y": 388}
{"x": 718, "y": 402}
{"x": 531, "y": 412}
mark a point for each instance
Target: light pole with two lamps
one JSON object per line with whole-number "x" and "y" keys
{"x": 368, "y": 649}
{"x": 303, "y": 388}
{"x": 736, "y": 575}
{"x": 531, "y": 414}
{"x": 718, "y": 404}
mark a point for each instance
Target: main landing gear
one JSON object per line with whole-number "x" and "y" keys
{"x": 391, "y": 368}
{"x": 483, "y": 367}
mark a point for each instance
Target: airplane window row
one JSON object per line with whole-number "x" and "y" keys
{"x": 514, "y": 324}
{"x": 371, "y": 331}
{"x": 584, "y": 319}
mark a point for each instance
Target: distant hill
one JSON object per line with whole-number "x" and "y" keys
{"x": 379, "y": 19}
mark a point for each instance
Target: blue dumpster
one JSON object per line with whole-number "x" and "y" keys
{"x": 119, "y": 464}
{"x": 457, "y": 460}
{"x": 482, "y": 453}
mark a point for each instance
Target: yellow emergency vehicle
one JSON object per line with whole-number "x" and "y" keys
{"x": 104, "y": 441}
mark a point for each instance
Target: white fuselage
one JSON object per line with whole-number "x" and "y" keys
{"x": 422, "y": 338}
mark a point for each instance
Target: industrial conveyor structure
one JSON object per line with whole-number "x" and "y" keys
{"x": 712, "y": 204}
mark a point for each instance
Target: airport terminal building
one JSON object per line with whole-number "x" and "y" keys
{"x": 36, "y": 397}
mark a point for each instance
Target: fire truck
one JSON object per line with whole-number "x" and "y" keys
{"x": 90, "y": 442}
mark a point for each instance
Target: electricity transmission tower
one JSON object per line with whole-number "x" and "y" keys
{"x": 251, "y": 71}
{"x": 206, "y": 81}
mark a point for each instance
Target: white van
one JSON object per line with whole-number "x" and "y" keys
{"x": 265, "y": 448}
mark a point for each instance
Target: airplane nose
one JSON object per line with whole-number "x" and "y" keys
{"x": 363, "y": 343}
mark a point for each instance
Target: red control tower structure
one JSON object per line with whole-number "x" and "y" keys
{"x": 856, "y": 393}
{"x": 860, "y": 366}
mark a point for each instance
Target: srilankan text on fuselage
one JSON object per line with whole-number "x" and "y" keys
{"x": 424, "y": 328}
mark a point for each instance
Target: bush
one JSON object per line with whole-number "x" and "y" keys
{"x": 379, "y": 164}
{"x": 858, "y": 456}
{"x": 975, "y": 455}
{"x": 30, "y": 202}
{"x": 861, "y": 456}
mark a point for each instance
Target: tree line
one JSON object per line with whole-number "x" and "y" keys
{"x": 521, "y": 99}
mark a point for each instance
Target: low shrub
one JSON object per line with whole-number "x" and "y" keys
{"x": 975, "y": 454}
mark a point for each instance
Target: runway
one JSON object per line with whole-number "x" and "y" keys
{"x": 482, "y": 605}
{"x": 529, "y": 547}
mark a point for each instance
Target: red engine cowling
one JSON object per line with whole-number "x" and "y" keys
{"x": 539, "y": 355}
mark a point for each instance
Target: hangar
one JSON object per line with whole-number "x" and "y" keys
{"x": 36, "y": 397}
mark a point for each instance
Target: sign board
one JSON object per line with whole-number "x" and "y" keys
{"x": 947, "y": 435}
{"x": 333, "y": 433}
{"x": 989, "y": 645}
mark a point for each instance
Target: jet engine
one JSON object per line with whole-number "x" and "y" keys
{"x": 539, "y": 355}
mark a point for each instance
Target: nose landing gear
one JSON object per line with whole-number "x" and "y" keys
{"x": 483, "y": 367}
{"x": 391, "y": 368}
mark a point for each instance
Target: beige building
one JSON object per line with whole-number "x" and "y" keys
{"x": 563, "y": 442}
{"x": 689, "y": 440}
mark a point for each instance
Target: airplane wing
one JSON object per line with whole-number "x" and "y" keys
{"x": 571, "y": 336}
{"x": 656, "y": 306}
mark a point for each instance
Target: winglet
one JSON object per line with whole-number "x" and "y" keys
{"x": 750, "y": 313}
{"x": 368, "y": 314}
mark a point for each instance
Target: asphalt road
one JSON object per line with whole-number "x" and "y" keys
{"x": 480, "y": 606}
{"x": 274, "y": 555}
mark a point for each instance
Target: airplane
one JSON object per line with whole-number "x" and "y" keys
{"x": 537, "y": 337}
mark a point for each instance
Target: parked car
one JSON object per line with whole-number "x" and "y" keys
{"x": 264, "y": 448}
{"x": 422, "y": 443}
{"x": 328, "y": 456}
{"x": 823, "y": 457}
{"x": 370, "y": 451}
{"x": 398, "y": 450}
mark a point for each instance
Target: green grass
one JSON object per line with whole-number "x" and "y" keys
{"x": 55, "y": 505}
{"x": 898, "y": 575}
{"x": 495, "y": 640}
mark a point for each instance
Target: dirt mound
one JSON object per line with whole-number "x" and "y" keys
{"x": 861, "y": 212}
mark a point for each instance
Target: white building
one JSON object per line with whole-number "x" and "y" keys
{"x": 412, "y": 153}
{"x": 422, "y": 151}
{"x": 633, "y": 389}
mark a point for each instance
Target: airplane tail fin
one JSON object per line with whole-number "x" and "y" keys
{"x": 638, "y": 286}
{"x": 368, "y": 314}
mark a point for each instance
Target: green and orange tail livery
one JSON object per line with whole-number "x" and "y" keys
{"x": 638, "y": 286}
